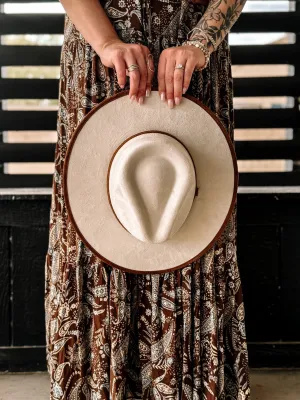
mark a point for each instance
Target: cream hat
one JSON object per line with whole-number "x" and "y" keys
{"x": 150, "y": 189}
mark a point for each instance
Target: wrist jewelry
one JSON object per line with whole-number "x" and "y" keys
{"x": 202, "y": 46}
{"x": 196, "y": 27}
{"x": 206, "y": 36}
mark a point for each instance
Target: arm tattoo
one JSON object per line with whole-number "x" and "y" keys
{"x": 217, "y": 21}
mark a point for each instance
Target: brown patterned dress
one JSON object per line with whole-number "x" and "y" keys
{"x": 116, "y": 335}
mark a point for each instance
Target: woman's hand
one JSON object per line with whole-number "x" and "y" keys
{"x": 173, "y": 82}
{"x": 119, "y": 55}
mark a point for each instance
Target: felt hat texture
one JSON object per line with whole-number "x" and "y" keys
{"x": 150, "y": 189}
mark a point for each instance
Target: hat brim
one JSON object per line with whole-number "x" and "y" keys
{"x": 88, "y": 157}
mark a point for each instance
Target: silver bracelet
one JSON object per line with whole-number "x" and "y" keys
{"x": 196, "y": 27}
{"x": 205, "y": 36}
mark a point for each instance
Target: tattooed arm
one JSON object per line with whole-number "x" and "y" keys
{"x": 217, "y": 21}
{"x": 214, "y": 25}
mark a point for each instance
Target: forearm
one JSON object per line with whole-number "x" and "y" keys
{"x": 217, "y": 21}
{"x": 91, "y": 21}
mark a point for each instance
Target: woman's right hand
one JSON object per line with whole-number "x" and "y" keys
{"x": 119, "y": 55}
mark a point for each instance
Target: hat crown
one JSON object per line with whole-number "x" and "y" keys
{"x": 152, "y": 184}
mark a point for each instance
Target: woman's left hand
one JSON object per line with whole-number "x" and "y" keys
{"x": 173, "y": 82}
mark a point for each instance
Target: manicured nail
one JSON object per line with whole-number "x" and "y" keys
{"x": 132, "y": 98}
{"x": 147, "y": 93}
{"x": 177, "y": 101}
{"x": 162, "y": 96}
{"x": 184, "y": 90}
{"x": 170, "y": 103}
{"x": 141, "y": 100}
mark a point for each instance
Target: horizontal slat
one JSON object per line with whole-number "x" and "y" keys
{"x": 29, "y": 55}
{"x": 33, "y": 152}
{"x": 277, "y": 86}
{"x": 53, "y": 23}
{"x": 28, "y": 120}
{"x": 269, "y": 179}
{"x": 268, "y": 22}
{"x": 245, "y": 150}
{"x": 266, "y": 54}
{"x": 28, "y": 88}
{"x": 15, "y": 24}
{"x": 268, "y": 150}
{"x": 241, "y": 55}
{"x": 245, "y": 179}
{"x": 267, "y": 118}
{"x": 20, "y": 359}
{"x": 28, "y": 181}
{"x": 261, "y": 355}
{"x": 244, "y": 119}
{"x": 274, "y": 355}
{"x": 243, "y": 87}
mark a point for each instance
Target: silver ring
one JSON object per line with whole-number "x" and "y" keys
{"x": 179, "y": 66}
{"x": 132, "y": 67}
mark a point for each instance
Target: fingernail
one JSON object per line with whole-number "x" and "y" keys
{"x": 147, "y": 93}
{"x": 170, "y": 103}
{"x": 184, "y": 90}
{"x": 162, "y": 96}
{"x": 122, "y": 86}
{"x": 132, "y": 98}
{"x": 141, "y": 100}
{"x": 177, "y": 101}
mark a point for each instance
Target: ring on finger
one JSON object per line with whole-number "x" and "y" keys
{"x": 176, "y": 83}
{"x": 179, "y": 66}
{"x": 132, "y": 67}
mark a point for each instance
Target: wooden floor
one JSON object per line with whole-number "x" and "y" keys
{"x": 265, "y": 385}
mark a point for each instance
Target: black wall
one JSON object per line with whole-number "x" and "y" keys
{"x": 268, "y": 224}
{"x": 269, "y": 262}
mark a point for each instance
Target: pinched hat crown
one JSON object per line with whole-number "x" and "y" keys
{"x": 152, "y": 185}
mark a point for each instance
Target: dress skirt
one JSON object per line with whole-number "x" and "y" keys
{"x": 117, "y": 335}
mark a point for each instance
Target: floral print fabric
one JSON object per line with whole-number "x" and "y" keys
{"x": 117, "y": 335}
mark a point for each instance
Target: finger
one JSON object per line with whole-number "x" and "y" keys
{"x": 120, "y": 68}
{"x": 161, "y": 70}
{"x": 188, "y": 72}
{"x": 169, "y": 81}
{"x": 150, "y": 66}
{"x": 178, "y": 80}
{"x": 150, "y": 69}
{"x": 141, "y": 61}
{"x": 134, "y": 76}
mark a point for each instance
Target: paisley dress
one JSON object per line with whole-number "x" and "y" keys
{"x": 118, "y": 335}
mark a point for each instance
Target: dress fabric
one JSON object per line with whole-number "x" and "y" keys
{"x": 119, "y": 335}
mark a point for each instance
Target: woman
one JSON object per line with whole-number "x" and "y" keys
{"x": 112, "y": 334}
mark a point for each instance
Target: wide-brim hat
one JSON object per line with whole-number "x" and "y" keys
{"x": 150, "y": 189}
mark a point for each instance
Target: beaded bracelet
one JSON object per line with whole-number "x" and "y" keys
{"x": 201, "y": 46}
